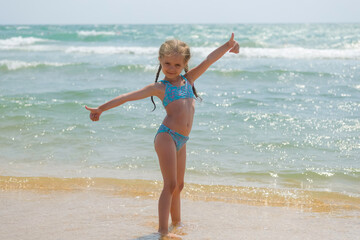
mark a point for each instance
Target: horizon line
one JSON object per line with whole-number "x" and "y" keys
{"x": 237, "y": 23}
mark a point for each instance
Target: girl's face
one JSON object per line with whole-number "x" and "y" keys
{"x": 172, "y": 66}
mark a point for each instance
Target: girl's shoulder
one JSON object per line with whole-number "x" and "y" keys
{"x": 159, "y": 86}
{"x": 153, "y": 89}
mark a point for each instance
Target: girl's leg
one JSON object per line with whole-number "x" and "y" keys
{"x": 166, "y": 151}
{"x": 175, "y": 202}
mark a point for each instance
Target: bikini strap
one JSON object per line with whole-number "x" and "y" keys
{"x": 183, "y": 77}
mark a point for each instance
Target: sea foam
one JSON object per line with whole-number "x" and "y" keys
{"x": 15, "y": 65}
{"x": 114, "y": 50}
{"x": 32, "y": 44}
{"x": 97, "y": 33}
{"x": 21, "y": 41}
{"x": 288, "y": 53}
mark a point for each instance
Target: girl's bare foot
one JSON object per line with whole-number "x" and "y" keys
{"x": 169, "y": 236}
{"x": 177, "y": 228}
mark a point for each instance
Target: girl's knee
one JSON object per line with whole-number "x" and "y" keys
{"x": 170, "y": 186}
{"x": 180, "y": 186}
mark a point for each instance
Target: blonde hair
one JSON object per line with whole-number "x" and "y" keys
{"x": 173, "y": 47}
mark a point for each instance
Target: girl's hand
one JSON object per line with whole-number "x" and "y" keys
{"x": 234, "y": 45}
{"x": 94, "y": 113}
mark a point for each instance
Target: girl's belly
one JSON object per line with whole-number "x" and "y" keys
{"x": 180, "y": 115}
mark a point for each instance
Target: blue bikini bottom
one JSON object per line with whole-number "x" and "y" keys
{"x": 179, "y": 139}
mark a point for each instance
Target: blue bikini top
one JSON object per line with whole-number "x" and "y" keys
{"x": 173, "y": 93}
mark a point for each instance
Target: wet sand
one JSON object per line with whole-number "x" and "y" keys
{"x": 29, "y": 214}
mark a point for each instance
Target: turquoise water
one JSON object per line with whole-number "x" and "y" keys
{"x": 284, "y": 113}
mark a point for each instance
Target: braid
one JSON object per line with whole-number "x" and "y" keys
{"x": 156, "y": 79}
{"x": 158, "y": 73}
{"x": 186, "y": 69}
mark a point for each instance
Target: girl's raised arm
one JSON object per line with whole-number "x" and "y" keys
{"x": 148, "y": 91}
{"x": 196, "y": 72}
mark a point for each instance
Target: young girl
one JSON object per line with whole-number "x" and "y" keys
{"x": 177, "y": 94}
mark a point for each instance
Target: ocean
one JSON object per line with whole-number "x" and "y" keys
{"x": 278, "y": 124}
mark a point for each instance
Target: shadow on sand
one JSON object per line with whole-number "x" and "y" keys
{"x": 155, "y": 236}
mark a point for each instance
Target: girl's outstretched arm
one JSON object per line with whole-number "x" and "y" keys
{"x": 148, "y": 91}
{"x": 196, "y": 72}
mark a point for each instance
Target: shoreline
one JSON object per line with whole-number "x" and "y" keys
{"x": 300, "y": 199}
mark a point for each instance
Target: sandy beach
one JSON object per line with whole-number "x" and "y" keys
{"x": 92, "y": 214}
